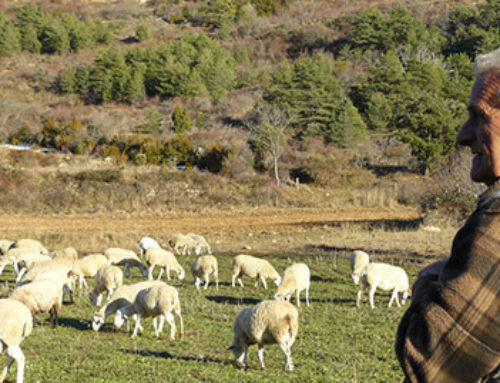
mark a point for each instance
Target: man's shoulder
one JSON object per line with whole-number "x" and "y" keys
{"x": 493, "y": 207}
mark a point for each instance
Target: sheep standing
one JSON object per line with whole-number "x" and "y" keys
{"x": 296, "y": 277}
{"x": 118, "y": 256}
{"x": 268, "y": 322}
{"x": 121, "y": 297}
{"x": 163, "y": 258}
{"x": 148, "y": 243}
{"x": 254, "y": 268}
{"x": 107, "y": 279}
{"x": 159, "y": 300}
{"x": 41, "y": 296}
{"x": 201, "y": 244}
{"x": 88, "y": 266}
{"x": 202, "y": 268}
{"x": 359, "y": 260}
{"x": 68, "y": 253}
{"x": 16, "y": 323}
{"x": 386, "y": 277}
{"x": 31, "y": 244}
{"x": 183, "y": 244}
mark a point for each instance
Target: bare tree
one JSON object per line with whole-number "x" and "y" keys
{"x": 268, "y": 133}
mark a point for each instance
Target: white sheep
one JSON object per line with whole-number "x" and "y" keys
{"x": 31, "y": 244}
{"x": 159, "y": 300}
{"x": 13, "y": 255}
{"x": 122, "y": 296}
{"x": 201, "y": 244}
{"x": 386, "y": 277}
{"x": 163, "y": 258}
{"x": 202, "y": 268}
{"x": 16, "y": 323}
{"x": 183, "y": 244}
{"x": 118, "y": 256}
{"x": 87, "y": 267}
{"x": 67, "y": 252}
{"x": 268, "y": 322}
{"x": 296, "y": 277}
{"x": 27, "y": 261}
{"x": 5, "y": 245}
{"x": 359, "y": 260}
{"x": 41, "y": 296}
{"x": 107, "y": 279}
{"x": 254, "y": 268}
{"x": 147, "y": 243}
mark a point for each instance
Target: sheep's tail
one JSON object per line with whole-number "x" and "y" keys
{"x": 293, "y": 325}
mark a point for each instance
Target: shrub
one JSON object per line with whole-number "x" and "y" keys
{"x": 213, "y": 160}
{"x": 182, "y": 120}
{"x": 9, "y": 37}
{"x": 142, "y": 32}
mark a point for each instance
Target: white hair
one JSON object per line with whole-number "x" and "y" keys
{"x": 486, "y": 61}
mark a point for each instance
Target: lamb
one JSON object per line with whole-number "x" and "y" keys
{"x": 163, "y": 258}
{"x": 254, "y": 268}
{"x": 185, "y": 243}
{"x": 203, "y": 267}
{"x": 148, "y": 243}
{"x": 201, "y": 244}
{"x": 159, "y": 300}
{"x": 5, "y": 245}
{"x": 41, "y": 296}
{"x": 268, "y": 322}
{"x": 359, "y": 260}
{"x": 107, "y": 279}
{"x": 385, "y": 277}
{"x": 122, "y": 296}
{"x": 296, "y": 277}
{"x": 118, "y": 256}
{"x": 30, "y": 244}
{"x": 16, "y": 323}
{"x": 68, "y": 252}
{"x": 88, "y": 267}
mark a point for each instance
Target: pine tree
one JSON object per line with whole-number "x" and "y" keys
{"x": 9, "y": 37}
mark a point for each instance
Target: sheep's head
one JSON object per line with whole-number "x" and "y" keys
{"x": 277, "y": 280}
{"x": 181, "y": 274}
{"x": 119, "y": 319}
{"x": 238, "y": 352}
{"x": 95, "y": 299}
{"x": 405, "y": 296}
{"x": 97, "y": 321}
{"x": 283, "y": 296}
{"x": 355, "y": 278}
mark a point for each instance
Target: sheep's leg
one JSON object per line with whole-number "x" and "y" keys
{"x": 68, "y": 290}
{"x": 16, "y": 268}
{"x": 260, "y": 353}
{"x": 8, "y": 363}
{"x": 20, "y": 275}
{"x": 397, "y": 298}
{"x": 84, "y": 282}
{"x": 53, "y": 316}
{"x": 372, "y": 295}
{"x": 170, "y": 320}
{"x": 393, "y": 295}
{"x": 162, "y": 323}
{"x": 16, "y": 353}
{"x": 216, "y": 277}
{"x": 360, "y": 294}
{"x": 288, "y": 356}
{"x": 161, "y": 273}
{"x": 155, "y": 326}
{"x": 127, "y": 270}
{"x": 181, "y": 322}
{"x": 257, "y": 282}
{"x": 263, "y": 282}
{"x": 168, "y": 272}
{"x": 307, "y": 296}
{"x": 197, "y": 283}
{"x": 150, "y": 272}
{"x": 206, "y": 281}
{"x": 99, "y": 299}
{"x": 233, "y": 280}
{"x": 138, "y": 325}
{"x": 240, "y": 282}
{"x": 298, "y": 298}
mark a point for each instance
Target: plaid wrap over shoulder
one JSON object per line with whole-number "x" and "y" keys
{"x": 451, "y": 331}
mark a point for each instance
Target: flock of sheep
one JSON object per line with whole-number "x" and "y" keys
{"x": 43, "y": 279}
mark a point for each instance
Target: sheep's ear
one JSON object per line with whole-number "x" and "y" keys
{"x": 231, "y": 347}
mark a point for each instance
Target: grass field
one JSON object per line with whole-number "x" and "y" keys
{"x": 336, "y": 341}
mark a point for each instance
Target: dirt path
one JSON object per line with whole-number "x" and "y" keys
{"x": 237, "y": 222}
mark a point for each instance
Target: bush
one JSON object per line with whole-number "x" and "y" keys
{"x": 214, "y": 159}
{"x": 142, "y": 32}
{"x": 9, "y": 37}
{"x": 182, "y": 120}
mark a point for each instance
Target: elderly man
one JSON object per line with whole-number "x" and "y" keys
{"x": 451, "y": 332}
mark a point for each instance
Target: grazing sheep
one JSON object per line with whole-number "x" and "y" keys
{"x": 68, "y": 253}
{"x": 254, "y": 268}
{"x": 41, "y": 296}
{"x": 122, "y": 296}
{"x": 359, "y": 260}
{"x": 30, "y": 244}
{"x": 28, "y": 261}
{"x": 13, "y": 255}
{"x": 385, "y": 277}
{"x": 160, "y": 300}
{"x": 107, "y": 279}
{"x": 202, "y": 268}
{"x": 268, "y": 322}
{"x": 5, "y": 245}
{"x": 163, "y": 258}
{"x": 201, "y": 244}
{"x": 16, "y": 323}
{"x": 148, "y": 243}
{"x": 125, "y": 257}
{"x": 88, "y": 266}
{"x": 185, "y": 243}
{"x": 296, "y": 277}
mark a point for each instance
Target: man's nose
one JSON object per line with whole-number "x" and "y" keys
{"x": 465, "y": 136}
